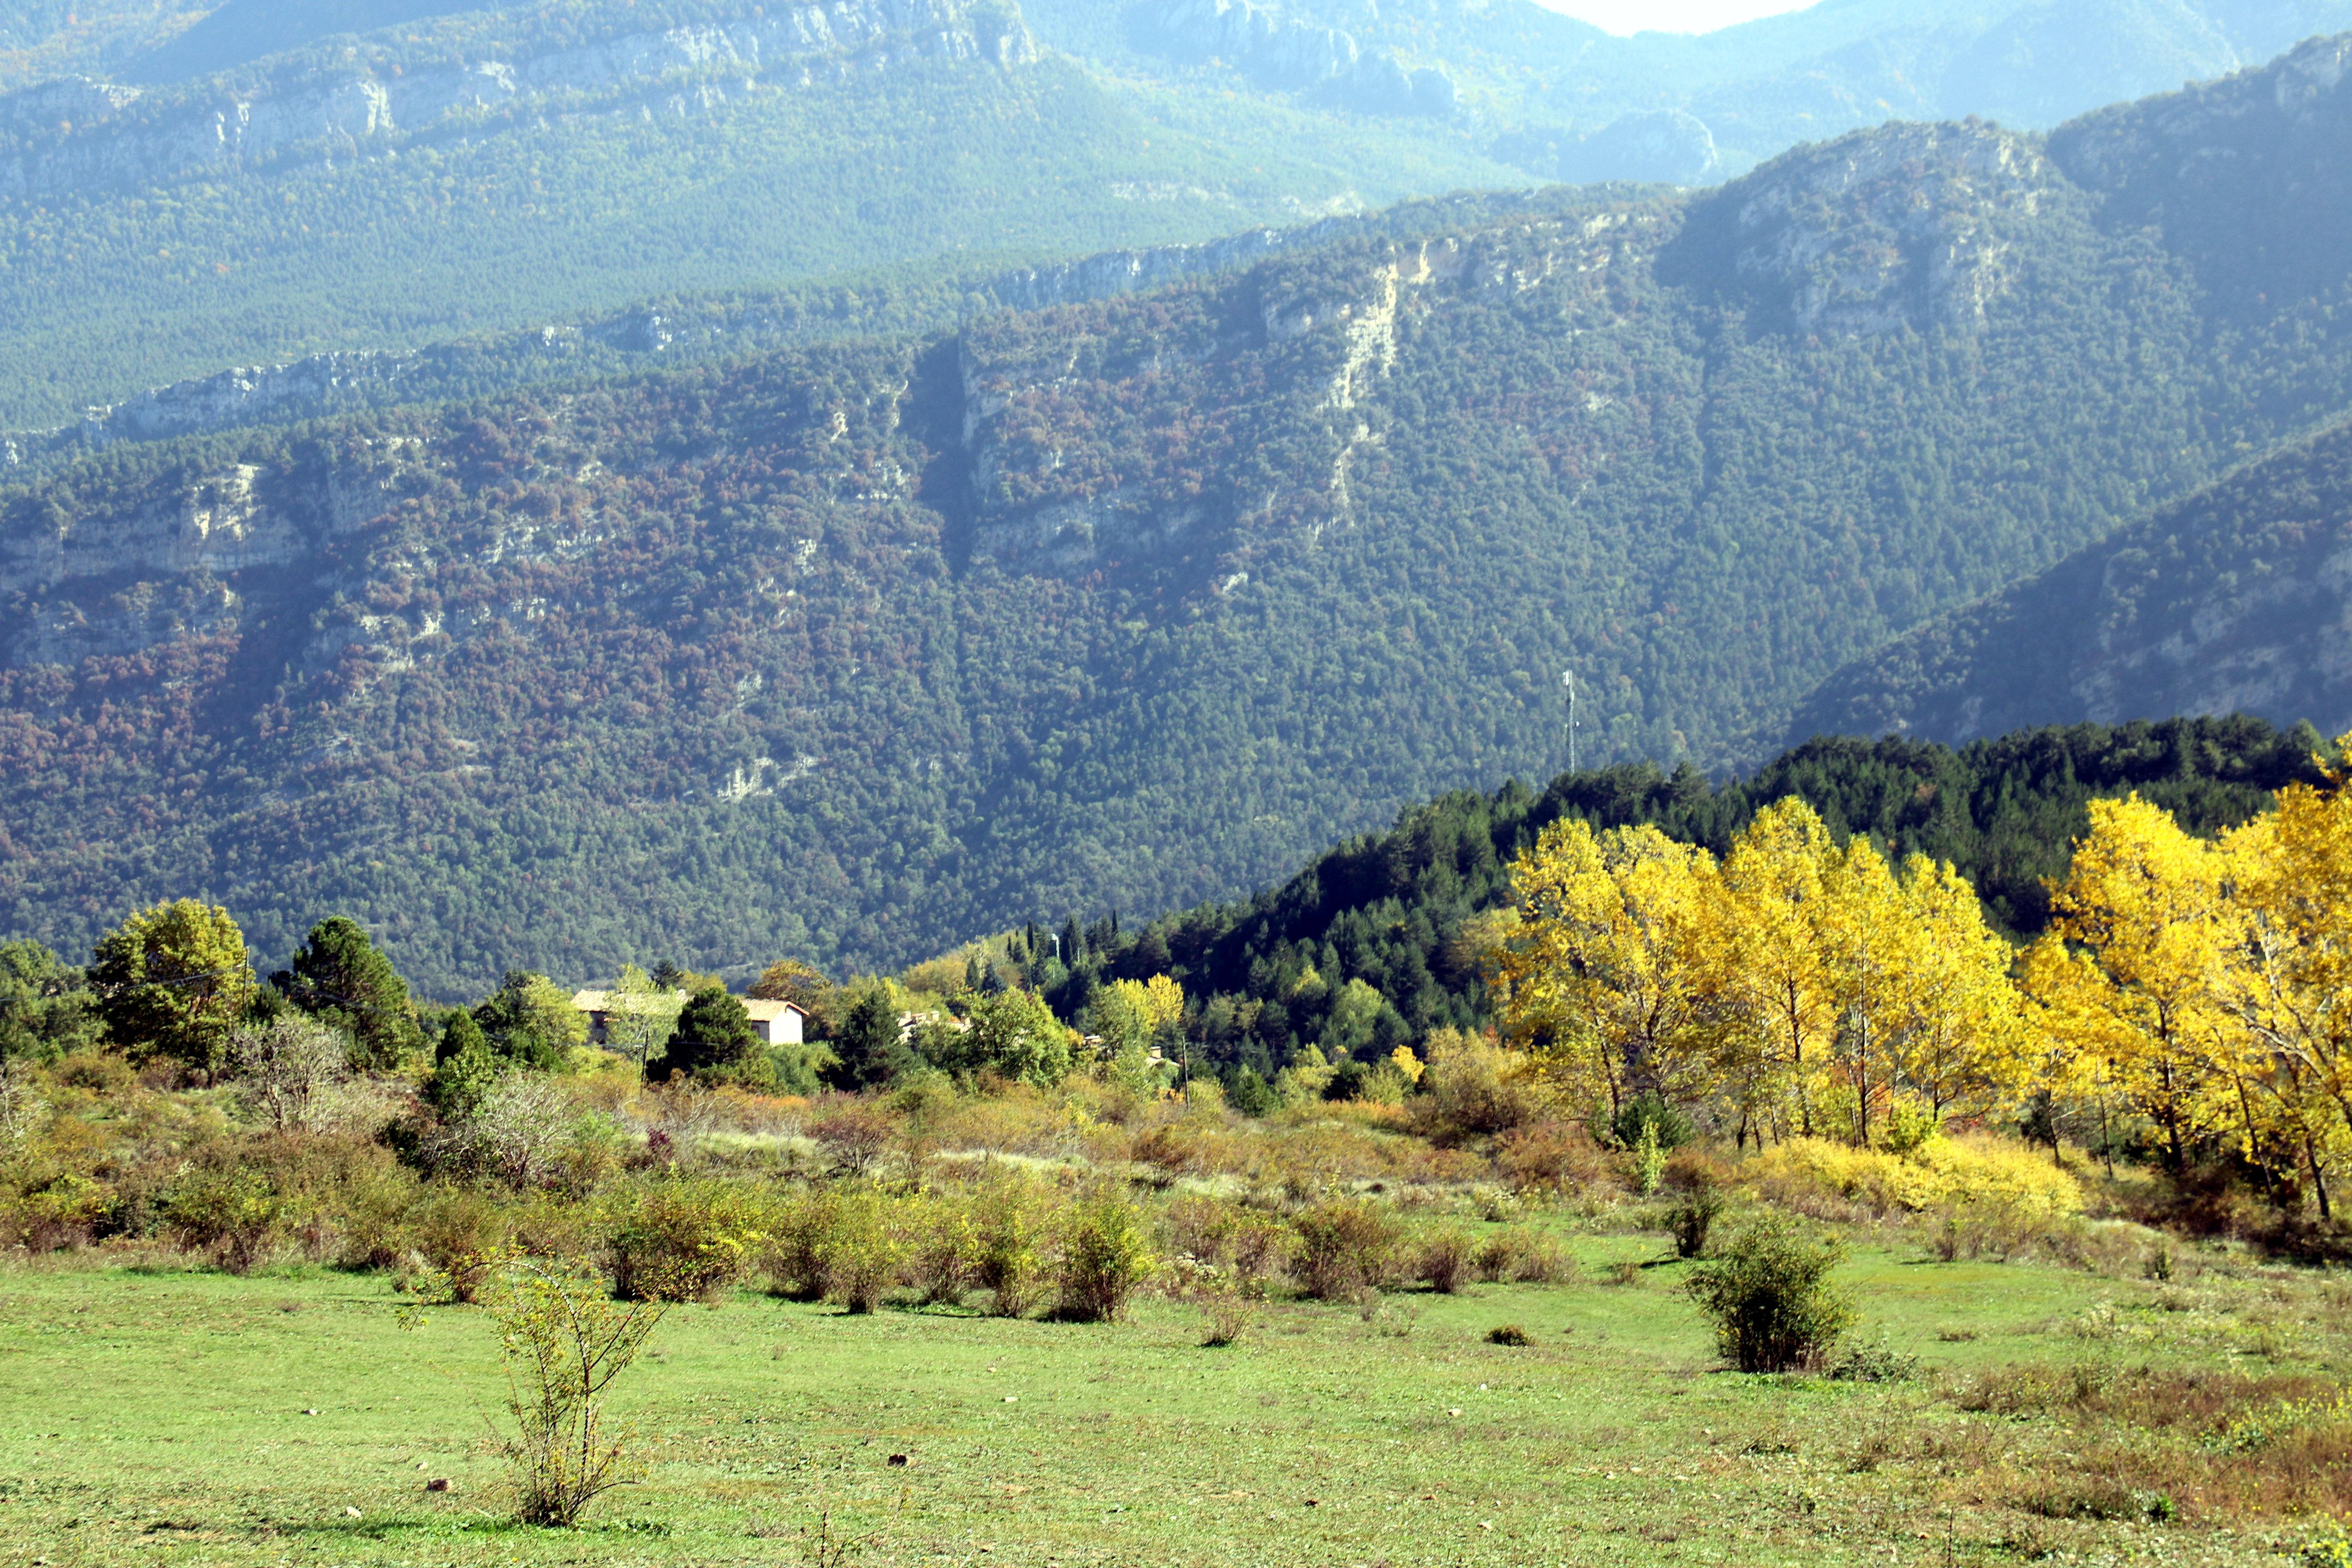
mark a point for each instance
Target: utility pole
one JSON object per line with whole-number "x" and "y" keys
{"x": 1568, "y": 679}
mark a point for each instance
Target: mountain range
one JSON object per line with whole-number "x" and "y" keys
{"x": 862, "y": 644}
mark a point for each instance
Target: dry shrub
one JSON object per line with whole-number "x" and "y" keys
{"x": 1472, "y": 1087}
{"x": 1518, "y": 1255}
{"x": 1551, "y": 1156}
{"x": 1346, "y": 1247}
{"x": 1444, "y": 1260}
{"x": 854, "y": 1136}
{"x": 1253, "y": 1245}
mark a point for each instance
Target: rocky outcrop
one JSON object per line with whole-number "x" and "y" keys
{"x": 75, "y": 135}
{"x": 1293, "y": 55}
{"x": 1908, "y": 226}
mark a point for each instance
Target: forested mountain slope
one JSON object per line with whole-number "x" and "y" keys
{"x": 494, "y": 171}
{"x": 1397, "y": 911}
{"x": 860, "y": 648}
{"x": 2237, "y": 600}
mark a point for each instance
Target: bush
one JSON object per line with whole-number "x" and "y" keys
{"x": 1012, "y": 1249}
{"x": 800, "y": 1239}
{"x": 1106, "y": 1258}
{"x": 1693, "y": 1219}
{"x": 1446, "y": 1261}
{"x": 855, "y": 1137}
{"x": 1771, "y": 1299}
{"x": 863, "y": 1249}
{"x": 1473, "y": 1086}
{"x": 1524, "y": 1257}
{"x": 1346, "y": 1246}
{"x": 943, "y": 1264}
{"x": 674, "y": 1240}
{"x": 1556, "y": 1156}
{"x": 461, "y": 1235}
{"x": 565, "y": 1341}
{"x": 232, "y": 1213}
{"x": 1651, "y": 1118}
{"x": 1941, "y": 1172}
{"x": 1509, "y": 1334}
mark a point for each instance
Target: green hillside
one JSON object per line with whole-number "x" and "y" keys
{"x": 2233, "y": 600}
{"x": 859, "y": 649}
{"x": 388, "y": 194}
{"x": 1396, "y": 910}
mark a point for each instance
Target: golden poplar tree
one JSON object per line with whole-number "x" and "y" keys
{"x": 2129, "y": 973}
{"x": 1606, "y": 975}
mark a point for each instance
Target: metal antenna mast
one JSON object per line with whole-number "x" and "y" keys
{"x": 1568, "y": 679}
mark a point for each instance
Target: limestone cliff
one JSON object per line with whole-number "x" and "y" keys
{"x": 78, "y": 134}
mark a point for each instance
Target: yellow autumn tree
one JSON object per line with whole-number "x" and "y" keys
{"x": 1962, "y": 1041}
{"x": 1605, "y": 979}
{"x": 1772, "y": 967}
{"x": 2129, "y": 974}
{"x": 2290, "y": 874}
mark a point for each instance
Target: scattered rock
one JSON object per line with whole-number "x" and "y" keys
{"x": 350, "y": 1514}
{"x": 898, "y": 1461}
{"x": 309, "y": 1413}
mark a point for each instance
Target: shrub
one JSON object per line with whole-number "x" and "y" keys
{"x": 1446, "y": 1261}
{"x": 943, "y": 1261}
{"x": 1881, "y": 1362}
{"x": 1693, "y": 1219}
{"x": 800, "y": 1239}
{"x": 234, "y": 1212}
{"x": 1522, "y": 1256}
{"x": 461, "y": 1235}
{"x": 1557, "y": 1157}
{"x": 282, "y": 1065}
{"x": 375, "y": 1216}
{"x": 1012, "y": 1249}
{"x": 1653, "y": 1117}
{"x": 1509, "y": 1334}
{"x": 1217, "y": 1292}
{"x": 565, "y": 1341}
{"x": 862, "y": 1251}
{"x": 1774, "y": 1307}
{"x": 1967, "y": 1172}
{"x": 1473, "y": 1086}
{"x": 1346, "y": 1246}
{"x": 855, "y": 1137}
{"x": 674, "y": 1240}
{"x": 1106, "y": 1258}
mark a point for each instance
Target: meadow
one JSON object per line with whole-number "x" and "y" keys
{"x": 154, "y": 1410}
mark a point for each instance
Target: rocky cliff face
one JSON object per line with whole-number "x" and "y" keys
{"x": 79, "y": 134}
{"x": 1292, "y": 55}
{"x": 1906, "y": 227}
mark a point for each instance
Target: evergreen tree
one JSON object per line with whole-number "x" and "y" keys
{"x": 871, "y": 1044}
{"x": 340, "y": 978}
{"x": 715, "y": 1040}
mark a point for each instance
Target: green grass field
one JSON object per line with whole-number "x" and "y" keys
{"x": 178, "y": 1417}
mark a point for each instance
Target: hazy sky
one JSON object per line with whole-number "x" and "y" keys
{"x": 1671, "y": 16}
